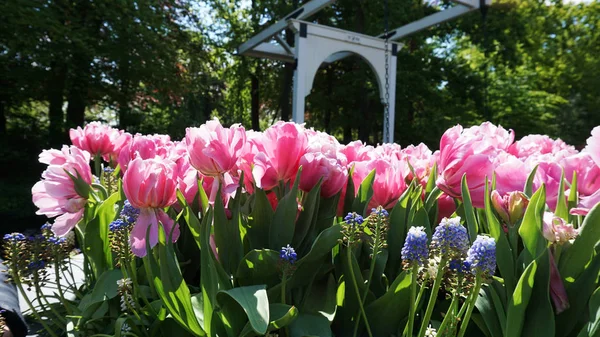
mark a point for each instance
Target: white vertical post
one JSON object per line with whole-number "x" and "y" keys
{"x": 298, "y": 104}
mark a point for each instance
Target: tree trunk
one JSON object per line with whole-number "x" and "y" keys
{"x": 76, "y": 108}
{"x": 56, "y": 87}
{"x": 3, "y": 108}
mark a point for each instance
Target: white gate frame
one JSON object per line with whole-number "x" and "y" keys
{"x": 316, "y": 44}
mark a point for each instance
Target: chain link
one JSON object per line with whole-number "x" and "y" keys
{"x": 386, "y": 108}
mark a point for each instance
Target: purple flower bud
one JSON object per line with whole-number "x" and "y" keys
{"x": 288, "y": 254}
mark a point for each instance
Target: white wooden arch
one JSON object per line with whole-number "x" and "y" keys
{"x": 315, "y": 44}
{"x": 309, "y": 51}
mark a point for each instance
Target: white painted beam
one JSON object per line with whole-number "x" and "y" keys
{"x": 271, "y": 51}
{"x": 303, "y": 12}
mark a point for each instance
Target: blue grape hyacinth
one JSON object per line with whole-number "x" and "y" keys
{"x": 288, "y": 254}
{"x": 380, "y": 212}
{"x": 450, "y": 238}
{"x": 354, "y": 219}
{"x": 415, "y": 246}
{"x": 14, "y": 237}
{"x": 481, "y": 257}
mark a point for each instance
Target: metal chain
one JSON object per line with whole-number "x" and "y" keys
{"x": 386, "y": 108}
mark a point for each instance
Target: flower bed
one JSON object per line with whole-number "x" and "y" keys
{"x": 231, "y": 232}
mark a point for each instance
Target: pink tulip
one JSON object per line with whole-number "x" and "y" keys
{"x": 511, "y": 206}
{"x": 586, "y": 204}
{"x": 278, "y": 155}
{"x": 317, "y": 166}
{"x": 588, "y": 173}
{"x": 471, "y": 152}
{"x": 511, "y": 174}
{"x": 533, "y": 145}
{"x": 446, "y": 207}
{"x": 188, "y": 178}
{"x": 388, "y": 185}
{"x": 548, "y": 173}
{"x": 99, "y": 139}
{"x": 558, "y": 293}
{"x": 356, "y": 151}
{"x": 145, "y": 147}
{"x": 593, "y": 145}
{"x": 422, "y": 161}
{"x": 57, "y": 194}
{"x": 150, "y": 185}
{"x": 557, "y": 230}
{"x": 388, "y": 151}
{"x": 213, "y": 149}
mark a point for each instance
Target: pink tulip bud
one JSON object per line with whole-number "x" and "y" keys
{"x": 511, "y": 207}
{"x": 557, "y": 230}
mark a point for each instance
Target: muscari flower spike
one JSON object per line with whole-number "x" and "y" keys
{"x": 380, "y": 211}
{"x": 450, "y": 238}
{"x": 14, "y": 237}
{"x": 288, "y": 254}
{"x": 354, "y": 219}
{"x": 129, "y": 213}
{"x": 56, "y": 240}
{"x": 415, "y": 246}
{"x": 481, "y": 257}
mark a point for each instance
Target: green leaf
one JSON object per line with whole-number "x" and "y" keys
{"x": 106, "y": 287}
{"x": 397, "y": 230}
{"x": 308, "y": 266}
{"x": 592, "y": 328}
{"x": 529, "y": 183}
{"x": 350, "y": 191}
{"x": 97, "y": 244}
{"x": 504, "y": 254}
{"x": 387, "y": 312}
{"x": 170, "y": 285}
{"x": 519, "y": 301}
{"x": 561, "y": 203}
{"x": 540, "y": 315}
{"x": 227, "y": 234}
{"x": 469, "y": 211}
{"x": 259, "y": 267}
{"x": 574, "y": 260}
{"x": 255, "y": 303}
{"x": 365, "y": 193}
{"x": 281, "y": 315}
{"x": 573, "y": 197}
{"x": 532, "y": 226}
{"x": 308, "y": 216}
{"x": 310, "y": 325}
{"x": 284, "y": 220}
{"x": 320, "y": 299}
{"x": 259, "y": 222}
{"x": 578, "y": 293}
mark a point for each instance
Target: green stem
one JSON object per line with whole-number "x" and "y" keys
{"x": 61, "y": 294}
{"x": 31, "y": 307}
{"x": 283, "y": 296}
{"x": 413, "y": 303}
{"x": 41, "y": 295}
{"x": 371, "y": 272}
{"x": 473, "y": 299}
{"x": 433, "y": 297}
{"x": 357, "y": 293}
{"x": 449, "y": 314}
{"x": 513, "y": 238}
{"x": 98, "y": 165}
